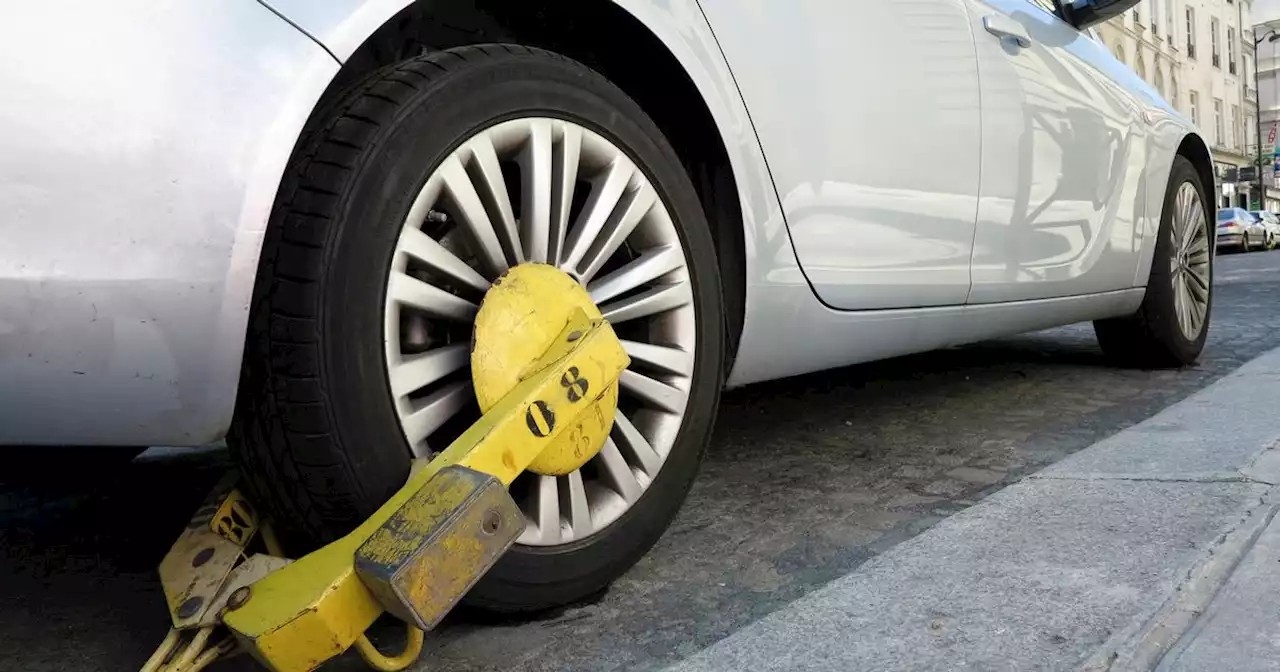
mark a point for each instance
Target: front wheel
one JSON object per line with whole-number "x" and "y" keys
{"x": 1170, "y": 327}
{"x": 409, "y": 198}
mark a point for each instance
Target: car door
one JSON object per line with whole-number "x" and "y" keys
{"x": 868, "y": 115}
{"x": 1063, "y": 151}
{"x": 1257, "y": 230}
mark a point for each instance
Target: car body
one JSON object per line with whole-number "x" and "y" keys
{"x": 188, "y": 187}
{"x": 1271, "y": 222}
{"x": 1239, "y": 229}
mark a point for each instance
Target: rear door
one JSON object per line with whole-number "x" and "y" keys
{"x": 868, "y": 115}
{"x": 1063, "y": 152}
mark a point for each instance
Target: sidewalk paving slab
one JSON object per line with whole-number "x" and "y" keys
{"x": 1104, "y": 560}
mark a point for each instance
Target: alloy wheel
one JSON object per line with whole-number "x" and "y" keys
{"x": 543, "y": 190}
{"x": 1190, "y": 261}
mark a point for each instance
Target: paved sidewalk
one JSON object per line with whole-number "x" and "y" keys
{"x": 1152, "y": 549}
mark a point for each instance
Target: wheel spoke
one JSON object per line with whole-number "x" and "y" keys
{"x": 635, "y": 205}
{"x": 470, "y": 210}
{"x": 1199, "y": 247}
{"x": 1201, "y": 311}
{"x": 414, "y": 293}
{"x": 486, "y": 175}
{"x": 649, "y": 302}
{"x": 425, "y": 249}
{"x": 1184, "y": 306}
{"x": 632, "y": 442}
{"x": 649, "y": 266}
{"x": 579, "y": 508}
{"x": 606, "y": 190}
{"x": 618, "y": 472}
{"x": 415, "y": 372}
{"x": 671, "y": 360}
{"x": 564, "y": 176}
{"x": 653, "y": 392}
{"x": 432, "y": 411}
{"x": 1178, "y": 229}
{"x": 1191, "y": 224}
{"x": 1197, "y": 282}
{"x": 1182, "y": 212}
{"x": 535, "y": 193}
{"x": 546, "y": 505}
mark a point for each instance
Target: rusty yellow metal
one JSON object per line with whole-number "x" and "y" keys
{"x": 522, "y": 314}
{"x": 317, "y": 607}
{"x": 384, "y": 663}
{"x": 197, "y": 565}
{"x": 430, "y": 553}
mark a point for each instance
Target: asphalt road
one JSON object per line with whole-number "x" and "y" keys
{"x": 806, "y": 479}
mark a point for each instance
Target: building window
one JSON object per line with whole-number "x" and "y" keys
{"x": 1217, "y": 122}
{"x": 1168, "y": 22}
{"x": 1191, "y": 32}
{"x": 1231, "y": 50}
{"x": 1155, "y": 20}
{"x": 1215, "y": 54}
{"x": 1195, "y": 108}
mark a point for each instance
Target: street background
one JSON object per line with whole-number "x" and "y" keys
{"x": 806, "y": 480}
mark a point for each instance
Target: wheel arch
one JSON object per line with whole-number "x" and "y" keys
{"x": 1169, "y": 141}
{"x": 664, "y": 57}
{"x": 1196, "y": 151}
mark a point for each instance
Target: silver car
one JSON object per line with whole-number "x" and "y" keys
{"x": 272, "y": 221}
{"x": 1271, "y": 223}
{"x": 1239, "y": 230}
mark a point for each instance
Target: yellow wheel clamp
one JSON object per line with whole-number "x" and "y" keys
{"x": 545, "y": 367}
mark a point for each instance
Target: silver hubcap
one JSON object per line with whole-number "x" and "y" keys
{"x": 549, "y": 191}
{"x": 1190, "y": 262}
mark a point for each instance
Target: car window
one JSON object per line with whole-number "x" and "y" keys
{"x": 1224, "y": 215}
{"x": 1047, "y": 5}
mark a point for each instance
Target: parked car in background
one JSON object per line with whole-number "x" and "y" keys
{"x": 1240, "y": 230}
{"x": 275, "y": 224}
{"x": 1270, "y": 221}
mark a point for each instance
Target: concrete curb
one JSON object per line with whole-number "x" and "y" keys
{"x": 1144, "y": 645}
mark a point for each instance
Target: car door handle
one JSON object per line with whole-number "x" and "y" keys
{"x": 1005, "y": 27}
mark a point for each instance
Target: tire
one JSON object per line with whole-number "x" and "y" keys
{"x": 318, "y": 432}
{"x": 1154, "y": 336}
{"x": 1244, "y": 242}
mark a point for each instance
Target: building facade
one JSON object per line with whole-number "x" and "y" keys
{"x": 1199, "y": 55}
{"x": 1266, "y": 26}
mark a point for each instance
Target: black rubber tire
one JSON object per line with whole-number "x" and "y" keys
{"x": 1151, "y": 337}
{"x": 1244, "y": 242}
{"x": 316, "y": 433}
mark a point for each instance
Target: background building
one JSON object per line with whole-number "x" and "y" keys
{"x": 1199, "y": 55}
{"x": 1266, "y": 24}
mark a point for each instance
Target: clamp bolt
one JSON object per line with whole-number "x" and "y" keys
{"x": 190, "y": 608}
{"x": 238, "y": 597}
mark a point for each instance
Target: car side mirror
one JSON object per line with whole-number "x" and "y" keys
{"x": 1085, "y": 13}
